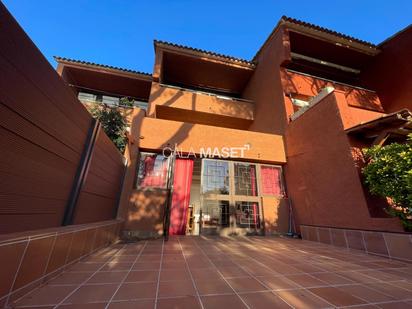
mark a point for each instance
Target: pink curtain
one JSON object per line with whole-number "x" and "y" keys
{"x": 154, "y": 176}
{"x": 181, "y": 196}
{"x": 271, "y": 180}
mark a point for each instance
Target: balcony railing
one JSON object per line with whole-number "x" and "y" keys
{"x": 218, "y": 96}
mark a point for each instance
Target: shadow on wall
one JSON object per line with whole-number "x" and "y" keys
{"x": 276, "y": 215}
{"x": 200, "y": 103}
{"x": 143, "y": 209}
{"x": 310, "y": 86}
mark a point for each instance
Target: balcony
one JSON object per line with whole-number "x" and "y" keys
{"x": 306, "y": 85}
{"x": 186, "y": 105}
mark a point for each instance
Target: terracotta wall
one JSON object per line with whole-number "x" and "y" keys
{"x": 30, "y": 259}
{"x": 321, "y": 195}
{"x": 275, "y": 215}
{"x": 390, "y": 72}
{"x": 196, "y": 107}
{"x": 43, "y": 129}
{"x": 363, "y": 99}
{"x": 265, "y": 86}
{"x": 391, "y": 245}
{"x": 155, "y": 134}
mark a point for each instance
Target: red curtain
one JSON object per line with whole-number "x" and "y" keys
{"x": 181, "y": 196}
{"x": 271, "y": 180}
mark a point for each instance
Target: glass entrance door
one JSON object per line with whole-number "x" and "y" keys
{"x": 229, "y": 198}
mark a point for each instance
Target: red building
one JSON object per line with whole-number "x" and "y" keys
{"x": 303, "y": 107}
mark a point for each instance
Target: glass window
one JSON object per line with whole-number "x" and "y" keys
{"x": 88, "y": 97}
{"x": 247, "y": 215}
{"x": 271, "y": 180}
{"x": 215, "y": 177}
{"x": 140, "y": 104}
{"x": 245, "y": 179}
{"x": 152, "y": 171}
{"x": 111, "y": 101}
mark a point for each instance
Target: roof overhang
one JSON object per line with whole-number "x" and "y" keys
{"x": 105, "y": 79}
{"x": 323, "y": 34}
{"x": 194, "y": 68}
{"x": 398, "y": 123}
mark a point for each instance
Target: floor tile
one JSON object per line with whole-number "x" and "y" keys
{"x": 246, "y": 284}
{"x": 337, "y": 297}
{"x": 134, "y": 304}
{"x": 92, "y": 293}
{"x": 46, "y": 295}
{"x": 142, "y": 275}
{"x": 302, "y": 299}
{"x": 176, "y": 288}
{"x": 174, "y": 275}
{"x": 71, "y": 278}
{"x": 264, "y": 300}
{"x": 107, "y": 277}
{"x": 213, "y": 287}
{"x": 222, "y": 301}
{"x": 278, "y": 283}
{"x": 131, "y": 291}
{"x": 189, "y": 302}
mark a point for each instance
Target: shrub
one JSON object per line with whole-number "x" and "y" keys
{"x": 388, "y": 173}
{"x": 113, "y": 123}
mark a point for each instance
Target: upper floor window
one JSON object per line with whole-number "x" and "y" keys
{"x": 113, "y": 101}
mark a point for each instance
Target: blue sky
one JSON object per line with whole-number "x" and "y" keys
{"x": 121, "y": 32}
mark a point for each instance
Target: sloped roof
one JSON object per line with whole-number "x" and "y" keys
{"x": 205, "y": 52}
{"x": 287, "y": 19}
{"x": 68, "y": 60}
{"x": 315, "y": 29}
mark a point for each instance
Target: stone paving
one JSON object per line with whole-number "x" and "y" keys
{"x": 213, "y": 272}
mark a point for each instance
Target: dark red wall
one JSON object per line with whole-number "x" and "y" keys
{"x": 43, "y": 129}
{"x": 322, "y": 179}
{"x": 390, "y": 72}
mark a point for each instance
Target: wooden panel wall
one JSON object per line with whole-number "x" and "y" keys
{"x": 43, "y": 128}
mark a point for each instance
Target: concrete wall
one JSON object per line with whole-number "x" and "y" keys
{"x": 322, "y": 179}
{"x": 43, "y": 129}
{"x": 390, "y": 72}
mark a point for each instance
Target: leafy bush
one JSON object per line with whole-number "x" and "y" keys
{"x": 388, "y": 173}
{"x": 113, "y": 123}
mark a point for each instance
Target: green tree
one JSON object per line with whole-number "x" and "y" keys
{"x": 113, "y": 123}
{"x": 388, "y": 173}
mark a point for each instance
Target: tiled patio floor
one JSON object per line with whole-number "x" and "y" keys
{"x": 255, "y": 272}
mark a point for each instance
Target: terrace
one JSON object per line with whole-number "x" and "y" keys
{"x": 207, "y": 272}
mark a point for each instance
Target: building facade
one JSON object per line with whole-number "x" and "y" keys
{"x": 221, "y": 145}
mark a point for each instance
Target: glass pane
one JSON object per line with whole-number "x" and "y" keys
{"x": 247, "y": 215}
{"x": 215, "y": 214}
{"x": 215, "y": 177}
{"x": 245, "y": 179}
{"x": 88, "y": 97}
{"x": 140, "y": 104}
{"x": 271, "y": 182}
{"x": 111, "y": 101}
{"x": 152, "y": 171}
